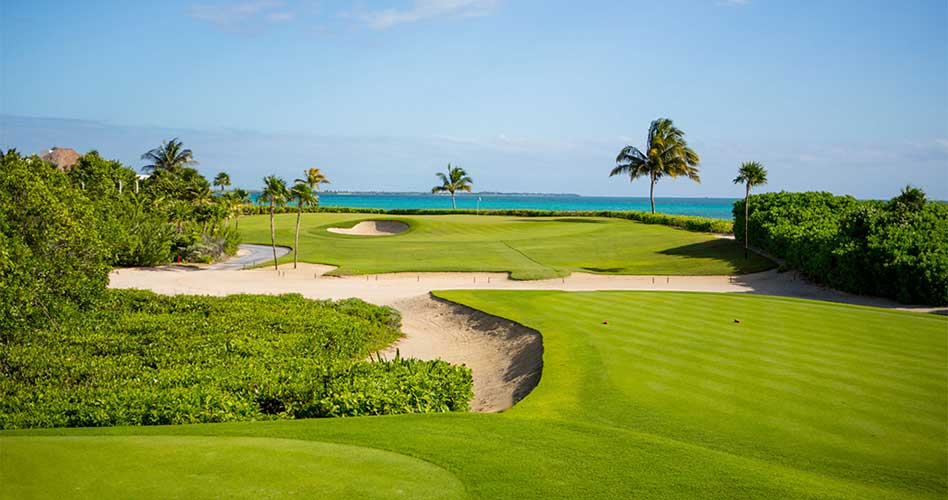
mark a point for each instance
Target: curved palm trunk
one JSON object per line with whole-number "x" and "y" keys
{"x": 273, "y": 236}
{"x": 746, "y": 223}
{"x": 651, "y": 193}
{"x": 454, "y": 204}
{"x": 296, "y": 243}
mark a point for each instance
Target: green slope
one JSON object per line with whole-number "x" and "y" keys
{"x": 527, "y": 247}
{"x": 670, "y": 399}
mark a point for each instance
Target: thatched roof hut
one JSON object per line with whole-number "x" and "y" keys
{"x": 63, "y": 158}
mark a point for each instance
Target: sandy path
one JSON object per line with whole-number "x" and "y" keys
{"x": 505, "y": 358}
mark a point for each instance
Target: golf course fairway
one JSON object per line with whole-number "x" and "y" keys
{"x": 658, "y": 395}
{"x": 526, "y": 247}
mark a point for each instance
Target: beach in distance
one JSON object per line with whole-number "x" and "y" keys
{"x": 717, "y": 208}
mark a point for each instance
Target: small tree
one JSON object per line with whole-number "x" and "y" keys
{"x": 276, "y": 193}
{"x": 171, "y": 155}
{"x": 750, "y": 174}
{"x": 455, "y": 180}
{"x": 314, "y": 177}
{"x": 240, "y": 197}
{"x": 222, "y": 180}
{"x": 302, "y": 194}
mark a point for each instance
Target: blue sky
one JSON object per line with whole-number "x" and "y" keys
{"x": 848, "y": 97}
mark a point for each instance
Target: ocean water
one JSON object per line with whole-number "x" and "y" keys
{"x": 717, "y": 208}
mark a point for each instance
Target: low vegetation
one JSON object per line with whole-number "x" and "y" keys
{"x": 146, "y": 359}
{"x": 896, "y": 249}
{"x": 672, "y": 399}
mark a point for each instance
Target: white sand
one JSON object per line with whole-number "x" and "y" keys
{"x": 373, "y": 228}
{"x": 505, "y": 357}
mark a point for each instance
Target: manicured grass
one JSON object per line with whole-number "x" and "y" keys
{"x": 164, "y": 467}
{"x": 671, "y": 399}
{"x": 527, "y": 247}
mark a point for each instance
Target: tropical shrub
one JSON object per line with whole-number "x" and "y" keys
{"x": 147, "y": 359}
{"x": 896, "y": 249}
{"x": 52, "y": 258}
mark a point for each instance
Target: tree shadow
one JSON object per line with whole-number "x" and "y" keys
{"x": 723, "y": 249}
{"x": 571, "y": 220}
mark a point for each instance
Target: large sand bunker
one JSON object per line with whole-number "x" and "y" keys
{"x": 373, "y": 228}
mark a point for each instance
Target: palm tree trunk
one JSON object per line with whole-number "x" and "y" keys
{"x": 746, "y": 223}
{"x": 454, "y": 204}
{"x": 273, "y": 237}
{"x": 651, "y": 193}
{"x": 296, "y": 243}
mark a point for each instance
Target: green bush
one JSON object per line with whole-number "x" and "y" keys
{"x": 688, "y": 222}
{"x": 896, "y": 249}
{"x": 147, "y": 359}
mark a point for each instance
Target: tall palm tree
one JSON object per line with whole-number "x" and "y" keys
{"x": 314, "y": 177}
{"x": 222, "y": 180}
{"x": 456, "y": 180}
{"x": 241, "y": 197}
{"x": 750, "y": 174}
{"x": 667, "y": 153}
{"x": 171, "y": 155}
{"x": 302, "y": 194}
{"x": 275, "y": 193}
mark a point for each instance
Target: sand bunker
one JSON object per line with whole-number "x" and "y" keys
{"x": 373, "y": 228}
{"x": 506, "y": 358}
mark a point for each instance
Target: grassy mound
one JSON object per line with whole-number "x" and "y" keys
{"x": 526, "y": 247}
{"x": 670, "y": 400}
{"x": 147, "y": 359}
{"x": 163, "y": 467}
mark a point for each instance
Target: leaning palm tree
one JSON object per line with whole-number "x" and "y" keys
{"x": 302, "y": 194}
{"x": 275, "y": 193}
{"x": 171, "y": 155}
{"x": 750, "y": 174}
{"x": 222, "y": 180}
{"x": 456, "y": 180}
{"x": 314, "y": 177}
{"x": 667, "y": 153}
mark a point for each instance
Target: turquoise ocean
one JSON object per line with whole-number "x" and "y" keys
{"x": 718, "y": 208}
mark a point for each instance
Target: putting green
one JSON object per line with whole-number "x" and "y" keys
{"x": 670, "y": 400}
{"x": 526, "y": 247}
{"x": 212, "y": 467}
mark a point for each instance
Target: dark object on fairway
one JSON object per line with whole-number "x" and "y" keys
{"x": 605, "y": 322}
{"x": 737, "y": 321}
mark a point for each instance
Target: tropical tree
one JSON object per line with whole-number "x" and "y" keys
{"x": 314, "y": 177}
{"x": 171, "y": 155}
{"x": 302, "y": 194}
{"x": 666, "y": 153}
{"x": 750, "y": 174}
{"x": 275, "y": 193}
{"x": 455, "y": 180}
{"x": 240, "y": 198}
{"x": 222, "y": 180}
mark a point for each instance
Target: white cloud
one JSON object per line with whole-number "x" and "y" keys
{"x": 242, "y": 16}
{"x": 427, "y": 9}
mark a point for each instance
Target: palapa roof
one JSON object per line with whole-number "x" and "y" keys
{"x": 63, "y": 158}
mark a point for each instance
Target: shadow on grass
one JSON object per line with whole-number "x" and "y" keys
{"x": 725, "y": 250}
{"x": 604, "y": 269}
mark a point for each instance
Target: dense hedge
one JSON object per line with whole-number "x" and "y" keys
{"x": 896, "y": 249}
{"x": 146, "y": 359}
{"x": 689, "y": 222}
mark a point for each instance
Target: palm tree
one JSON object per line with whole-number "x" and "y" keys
{"x": 241, "y": 197}
{"x": 222, "y": 180}
{"x": 303, "y": 195}
{"x": 314, "y": 177}
{"x": 276, "y": 193}
{"x": 456, "y": 180}
{"x": 667, "y": 153}
{"x": 750, "y": 174}
{"x": 171, "y": 155}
